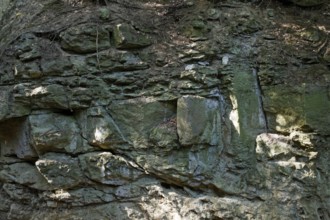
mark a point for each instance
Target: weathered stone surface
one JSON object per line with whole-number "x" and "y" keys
{"x": 56, "y": 67}
{"x": 14, "y": 102}
{"x": 30, "y": 177}
{"x": 100, "y": 129}
{"x": 50, "y": 96}
{"x": 28, "y": 71}
{"x": 108, "y": 169}
{"x": 81, "y": 196}
{"x": 85, "y": 38}
{"x": 19, "y": 192}
{"x": 165, "y": 134}
{"x": 246, "y": 21}
{"x": 172, "y": 167}
{"x": 298, "y": 107}
{"x": 200, "y": 74}
{"x": 27, "y": 48}
{"x": 127, "y": 38}
{"x": 275, "y": 146}
{"x": 116, "y": 61}
{"x": 124, "y": 210}
{"x": 198, "y": 120}
{"x": 60, "y": 171}
{"x": 146, "y": 113}
{"x": 55, "y": 133}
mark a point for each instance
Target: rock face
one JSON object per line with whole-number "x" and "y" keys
{"x": 164, "y": 110}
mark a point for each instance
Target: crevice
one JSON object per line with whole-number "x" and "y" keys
{"x": 52, "y": 36}
{"x": 258, "y": 91}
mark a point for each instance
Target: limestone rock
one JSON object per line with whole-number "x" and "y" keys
{"x": 80, "y": 197}
{"x": 57, "y": 67}
{"x": 116, "y": 61}
{"x": 55, "y": 133}
{"x": 20, "y": 193}
{"x": 146, "y": 113}
{"x": 279, "y": 146}
{"x": 85, "y": 38}
{"x": 298, "y": 107}
{"x": 28, "y": 70}
{"x": 30, "y": 177}
{"x": 172, "y": 167}
{"x": 60, "y": 171}
{"x": 126, "y": 37}
{"x": 27, "y": 48}
{"x": 204, "y": 75}
{"x": 165, "y": 134}
{"x": 100, "y": 129}
{"x": 50, "y": 96}
{"x": 198, "y": 120}
{"x": 107, "y": 168}
{"x": 124, "y": 210}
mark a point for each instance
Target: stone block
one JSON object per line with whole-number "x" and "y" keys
{"x": 99, "y": 128}
{"x": 146, "y": 113}
{"x": 60, "y": 170}
{"x": 198, "y": 120}
{"x": 106, "y": 168}
{"x": 55, "y": 133}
